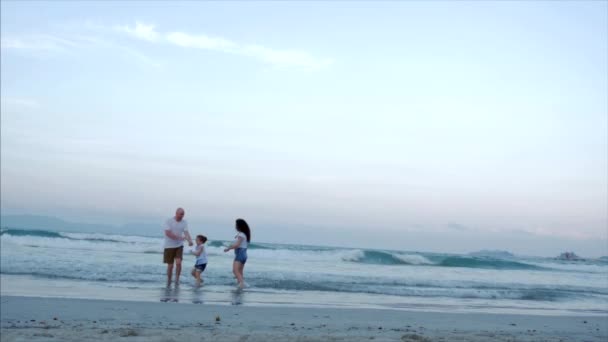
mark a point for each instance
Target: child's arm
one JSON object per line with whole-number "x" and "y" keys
{"x": 198, "y": 251}
{"x": 239, "y": 239}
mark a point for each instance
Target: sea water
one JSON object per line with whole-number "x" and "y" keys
{"x": 105, "y": 266}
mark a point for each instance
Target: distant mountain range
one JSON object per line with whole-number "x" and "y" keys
{"x": 492, "y": 254}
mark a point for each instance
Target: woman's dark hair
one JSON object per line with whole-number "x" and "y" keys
{"x": 203, "y": 238}
{"x": 243, "y": 227}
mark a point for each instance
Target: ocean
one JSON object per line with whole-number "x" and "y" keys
{"x": 48, "y": 263}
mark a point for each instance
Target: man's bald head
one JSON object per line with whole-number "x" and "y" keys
{"x": 179, "y": 214}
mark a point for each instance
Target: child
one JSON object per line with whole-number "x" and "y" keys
{"x": 201, "y": 259}
{"x": 241, "y": 241}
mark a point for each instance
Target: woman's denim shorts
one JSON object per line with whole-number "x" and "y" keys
{"x": 240, "y": 255}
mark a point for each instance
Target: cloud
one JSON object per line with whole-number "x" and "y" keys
{"x": 277, "y": 57}
{"x": 142, "y": 58}
{"x": 536, "y": 231}
{"x": 201, "y": 42}
{"x": 96, "y": 36}
{"x": 140, "y": 31}
{"x": 285, "y": 57}
{"x": 573, "y": 234}
{"x": 12, "y": 43}
{"x": 36, "y": 42}
{"x": 19, "y": 102}
{"x": 73, "y": 43}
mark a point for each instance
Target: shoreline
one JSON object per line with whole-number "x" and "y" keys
{"x": 29, "y": 286}
{"x": 63, "y": 319}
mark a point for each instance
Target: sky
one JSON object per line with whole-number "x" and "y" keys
{"x": 448, "y": 126}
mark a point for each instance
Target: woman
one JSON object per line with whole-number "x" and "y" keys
{"x": 241, "y": 241}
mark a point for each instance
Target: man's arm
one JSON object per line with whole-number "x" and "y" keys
{"x": 170, "y": 235}
{"x": 188, "y": 238}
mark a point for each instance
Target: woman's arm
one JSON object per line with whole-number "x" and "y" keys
{"x": 239, "y": 239}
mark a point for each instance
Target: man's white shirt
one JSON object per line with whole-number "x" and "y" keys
{"x": 178, "y": 229}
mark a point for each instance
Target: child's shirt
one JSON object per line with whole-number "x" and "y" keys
{"x": 202, "y": 258}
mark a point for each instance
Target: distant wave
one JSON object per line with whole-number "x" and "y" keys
{"x": 73, "y": 236}
{"x": 217, "y": 243}
{"x": 497, "y": 254}
{"x": 385, "y": 258}
{"x": 393, "y": 258}
{"x": 29, "y": 232}
{"x": 474, "y": 262}
{"x": 82, "y": 241}
{"x": 258, "y": 246}
{"x": 153, "y": 245}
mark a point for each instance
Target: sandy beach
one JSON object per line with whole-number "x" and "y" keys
{"x": 56, "y": 319}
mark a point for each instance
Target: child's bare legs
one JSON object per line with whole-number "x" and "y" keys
{"x": 197, "y": 276}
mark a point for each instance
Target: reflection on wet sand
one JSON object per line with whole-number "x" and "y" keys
{"x": 237, "y": 296}
{"x": 198, "y": 295}
{"x": 201, "y": 295}
{"x": 170, "y": 294}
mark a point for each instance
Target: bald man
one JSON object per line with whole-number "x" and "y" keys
{"x": 176, "y": 231}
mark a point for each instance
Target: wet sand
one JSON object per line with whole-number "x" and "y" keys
{"x": 57, "y": 319}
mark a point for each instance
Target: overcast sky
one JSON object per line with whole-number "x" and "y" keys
{"x": 470, "y": 122}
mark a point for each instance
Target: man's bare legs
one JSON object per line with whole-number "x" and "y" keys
{"x": 169, "y": 274}
{"x": 178, "y": 270}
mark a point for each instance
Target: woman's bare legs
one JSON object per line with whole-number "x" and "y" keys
{"x": 237, "y": 269}
{"x": 241, "y": 270}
